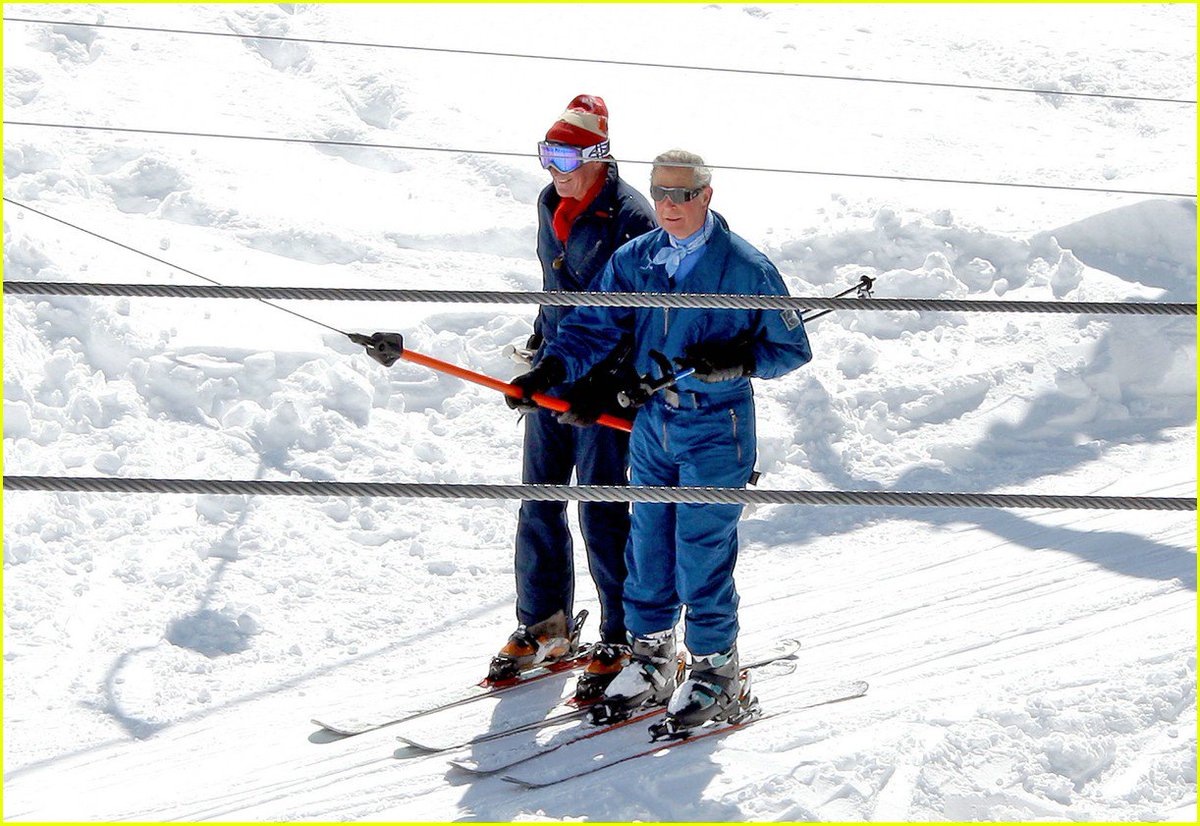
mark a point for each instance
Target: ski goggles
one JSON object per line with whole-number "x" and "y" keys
{"x": 677, "y": 194}
{"x": 569, "y": 158}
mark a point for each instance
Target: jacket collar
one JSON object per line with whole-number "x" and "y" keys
{"x": 716, "y": 249}
{"x": 606, "y": 201}
{"x": 719, "y": 237}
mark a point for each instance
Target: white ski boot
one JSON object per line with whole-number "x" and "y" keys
{"x": 714, "y": 691}
{"x": 651, "y": 676}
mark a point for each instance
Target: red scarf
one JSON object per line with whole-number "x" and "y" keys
{"x": 569, "y": 209}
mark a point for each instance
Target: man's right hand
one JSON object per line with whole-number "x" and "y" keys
{"x": 548, "y": 372}
{"x": 588, "y": 400}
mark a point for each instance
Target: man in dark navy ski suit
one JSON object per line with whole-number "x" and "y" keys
{"x": 699, "y": 433}
{"x": 585, "y": 214}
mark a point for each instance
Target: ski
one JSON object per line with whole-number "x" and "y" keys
{"x": 433, "y": 747}
{"x": 480, "y": 691}
{"x": 501, "y": 762}
{"x": 435, "y": 741}
{"x": 506, "y": 754}
{"x": 597, "y": 760}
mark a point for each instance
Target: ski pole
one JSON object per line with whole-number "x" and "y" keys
{"x": 385, "y": 348}
{"x": 862, "y": 289}
{"x": 638, "y": 397}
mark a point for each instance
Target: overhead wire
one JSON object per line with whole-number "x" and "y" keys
{"x": 41, "y": 483}
{"x": 173, "y": 266}
{"x": 502, "y": 153}
{"x": 609, "y": 61}
{"x": 558, "y": 298}
{"x": 459, "y": 150}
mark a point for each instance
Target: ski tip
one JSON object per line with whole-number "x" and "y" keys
{"x": 855, "y": 689}
{"x": 336, "y": 729}
{"x": 417, "y": 745}
{"x": 467, "y": 765}
{"x": 523, "y": 784}
{"x": 782, "y": 668}
{"x": 344, "y": 730}
{"x": 323, "y": 735}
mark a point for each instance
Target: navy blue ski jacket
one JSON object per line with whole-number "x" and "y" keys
{"x": 618, "y": 214}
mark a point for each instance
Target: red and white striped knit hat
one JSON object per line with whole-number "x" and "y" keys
{"x": 585, "y": 123}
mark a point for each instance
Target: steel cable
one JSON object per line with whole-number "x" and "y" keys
{"x": 595, "y": 299}
{"x": 592, "y": 493}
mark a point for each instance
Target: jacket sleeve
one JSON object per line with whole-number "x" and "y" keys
{"x": 537, "y": 326}
{"x": 636, "y": 218}
{"x": 781, "y": 343}
{"x": 588, "y": 334}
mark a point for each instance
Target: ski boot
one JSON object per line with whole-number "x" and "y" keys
{"x": 542, "y": 644}
{"x": 715, "y": 691}
{"x": 607, "y": 660}
{"x": 652, "y": 674}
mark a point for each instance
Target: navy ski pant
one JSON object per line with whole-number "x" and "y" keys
{"x": 545, "y": 554}
{"x": 684, "y": 554}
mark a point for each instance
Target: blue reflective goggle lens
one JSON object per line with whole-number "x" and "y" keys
{"x": 677, "y": 194}
{"x": 562, "y": 158}
{"x": 569, "y": 158}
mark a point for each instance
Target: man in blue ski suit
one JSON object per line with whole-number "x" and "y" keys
{"x": 583, "y": 216}
{"x": 701, "y": 433}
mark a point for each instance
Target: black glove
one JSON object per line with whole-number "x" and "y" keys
{"x": 548, "y": 372}
{"x": 596, "y": 393}
{"x": 534, "y": 342}
{"x": 588, "y": 398}
{"x": 719, "y": 360}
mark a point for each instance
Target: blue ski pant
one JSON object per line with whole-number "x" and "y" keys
{"x": 545, "y": 554}
{"x": 684, "y": 554}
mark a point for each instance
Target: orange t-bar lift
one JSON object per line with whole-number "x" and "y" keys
{"x": 386, "y": 348}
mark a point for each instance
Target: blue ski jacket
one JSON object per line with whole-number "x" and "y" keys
{"x": 729, "y": 265}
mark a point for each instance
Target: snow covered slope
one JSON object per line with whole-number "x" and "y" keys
{"x": 163, "y": 654}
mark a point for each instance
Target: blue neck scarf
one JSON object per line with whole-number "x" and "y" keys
{"x": 672, "y": 256}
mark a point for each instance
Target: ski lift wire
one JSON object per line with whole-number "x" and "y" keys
{"x": 165, "y": 262}
{"x": 611, "y": 62}
{"x": 501, "y": 153}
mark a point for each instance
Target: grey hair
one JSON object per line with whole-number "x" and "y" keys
{"x": 701, "y": 174}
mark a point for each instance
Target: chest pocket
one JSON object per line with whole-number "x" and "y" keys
{"x": 588, "y": 250}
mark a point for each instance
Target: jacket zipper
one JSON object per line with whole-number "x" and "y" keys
{"x": 737, "y": 444}
{"x": 666, "y": 329}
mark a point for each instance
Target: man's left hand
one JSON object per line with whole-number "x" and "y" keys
{"x": 719, "y": 360}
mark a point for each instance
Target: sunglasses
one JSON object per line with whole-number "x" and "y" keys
{"x": 569, "y": 158}
{"x": 677, "y": 194}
